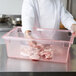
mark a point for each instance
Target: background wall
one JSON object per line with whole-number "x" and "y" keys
{"x": 74, "y": 8}
{"x": 10, "y": 6}
{"x": 65, "y": 3}
{"x": 13, "y": 7}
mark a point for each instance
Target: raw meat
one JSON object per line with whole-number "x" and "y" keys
{"x": 41, "y": 51}
{"x": 47, "y": 53}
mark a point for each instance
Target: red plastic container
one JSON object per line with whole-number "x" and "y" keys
{"x": 59, "y": 40}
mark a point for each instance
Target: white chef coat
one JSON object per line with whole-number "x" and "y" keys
{"x": 45, "y": 14}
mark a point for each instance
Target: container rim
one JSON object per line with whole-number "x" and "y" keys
{"x": 6, "y": 36}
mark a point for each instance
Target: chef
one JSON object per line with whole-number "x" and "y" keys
{"x": 45, "y": 14}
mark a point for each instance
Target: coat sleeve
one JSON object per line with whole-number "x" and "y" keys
{"x": 66, "y": 18}
{"x": 28, "y": 17}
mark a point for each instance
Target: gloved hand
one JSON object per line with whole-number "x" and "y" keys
{"x": 74, "y": 29}
{"x": 31, "y": 42}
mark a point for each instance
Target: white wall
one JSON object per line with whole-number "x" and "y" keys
{"x": 13, "y": 6}
{"x": 65, "y": 3}
{"x": 74, "y": 8}
{"x": 10, "y": 6}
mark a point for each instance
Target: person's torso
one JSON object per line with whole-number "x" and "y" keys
{"x": 48, "y": 13}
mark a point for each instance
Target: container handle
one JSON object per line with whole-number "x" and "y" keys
{"x": 74, "y": 34}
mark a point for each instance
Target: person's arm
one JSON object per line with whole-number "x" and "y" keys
{"x": 28, "y": 20}
{"x": 67, "y": 19}
{"x": 28, "y": 16}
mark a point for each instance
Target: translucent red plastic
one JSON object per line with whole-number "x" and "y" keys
{"x": 59, "y": 40}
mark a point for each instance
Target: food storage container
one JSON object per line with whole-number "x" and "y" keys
{"x": 51, "y": 45}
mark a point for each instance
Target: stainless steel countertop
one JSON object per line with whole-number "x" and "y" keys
{"x": 4, "y": 27}
{"x": 15, "y": 65}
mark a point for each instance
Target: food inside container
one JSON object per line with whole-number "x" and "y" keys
{"x": 40, "y": 52}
